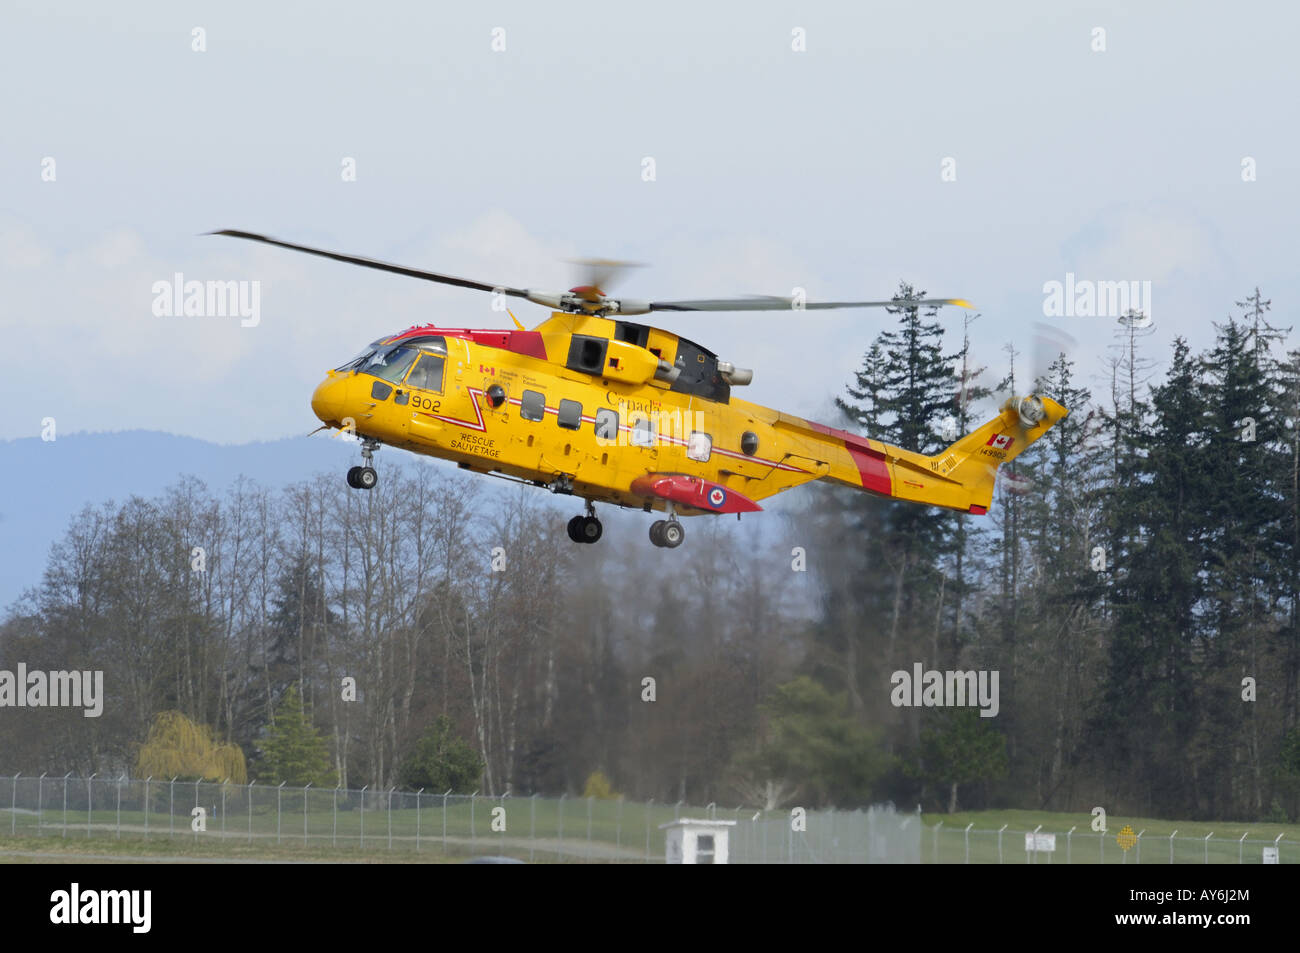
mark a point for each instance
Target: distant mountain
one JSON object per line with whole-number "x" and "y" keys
{"x": 44, "y": 484}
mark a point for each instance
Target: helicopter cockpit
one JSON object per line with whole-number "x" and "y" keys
{"x": 390, "y": 362}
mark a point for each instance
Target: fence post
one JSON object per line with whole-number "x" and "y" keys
{"x": 1138, "y": 858}
{"x": 1240, "y": 846}
{"x": 647, "y": 829}
{"x": 334, "y": 837}
{"x": 532, "y": 825}
{"x": 146, "y": 806}
{"x": 559, "y": 847}
{"x": 119, "y": 806}
{"x": 65, "y": 803}
{"x": 196, "y": 802}
{"x": 473, "y": 834}
{"x": 1004, "y": 827}
{"x": 363, "y": 816}
{"x": 735, "y": 816}
{"x": 934, "y": 843}
{"x": 504, "y": 819}
{"x": 417, "y": 819}
{"x": 390, "y": 816}
{"x": 279, "y": 788}
{"x": 13, "y": 808}
{"x": 444, "y": 821}
{"x": 589, "y": 800}
{"x": 1171, "y": 846}
{"x": 304, "y": 814}
{"x": 1277, "y": 845}
{"x": 171, "y": 809}
{"x": 618, "y": 831}
{"x": 968, "y": 827}
{"x": 250, "y": 809}
{"x": 223, "y": 809}
{"x": 1207, "y": 846}
{"x": 90, "y": 797}
{"x": 677, "y": 811}
{"x": 1068, "y": 835}
{"x": 40, "y": 785}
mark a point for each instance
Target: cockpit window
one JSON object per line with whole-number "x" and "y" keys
{"x": 389, "y": 363}
{"x": 356, "y": 361}
{"x": 428, "y": 373}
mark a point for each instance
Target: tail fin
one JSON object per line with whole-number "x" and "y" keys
{"x": 973, "y": 460}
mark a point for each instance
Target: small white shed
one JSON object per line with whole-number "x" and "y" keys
{"x": 692, "y": 841}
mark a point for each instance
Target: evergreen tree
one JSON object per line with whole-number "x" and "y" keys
{"x": 1245, "y": 517}
{"x": 441, "y": 761}
{"x": 1150, "y": 718}
{"x": 959, "y": 748}
{"x": 292, "y": 751}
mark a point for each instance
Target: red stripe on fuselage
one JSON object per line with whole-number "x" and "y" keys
{"x": 872, "y": 467}
{"x": 527, "y": 343}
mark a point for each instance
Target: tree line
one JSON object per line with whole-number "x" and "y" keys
{"x": 1136, "y": 585}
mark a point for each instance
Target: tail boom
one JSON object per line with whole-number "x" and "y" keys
{"x": 961, "y": 477}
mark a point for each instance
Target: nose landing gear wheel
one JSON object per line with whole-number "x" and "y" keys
{"x": 365, "y": 478}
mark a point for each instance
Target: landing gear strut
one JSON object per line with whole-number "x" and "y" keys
{"x": 667, "y": 533}
{"x": 585, "y": 529}
{"x": 365, "y": 478}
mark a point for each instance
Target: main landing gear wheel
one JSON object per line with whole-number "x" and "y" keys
{"x": 667, "y": 533}
{"x": 585, "y": 529}
{"x": 365, "y": 478}
{"x": 362, "y": 478}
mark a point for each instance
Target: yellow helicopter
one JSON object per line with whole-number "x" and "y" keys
{"x": 591, "y": 404}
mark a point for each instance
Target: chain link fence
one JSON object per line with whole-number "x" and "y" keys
{"x": 562, "y": 829}
{"x": 532, "y": 828}
{"x": 968, "y": 845}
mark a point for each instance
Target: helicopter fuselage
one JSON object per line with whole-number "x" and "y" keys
{"x": 624, "y": 414}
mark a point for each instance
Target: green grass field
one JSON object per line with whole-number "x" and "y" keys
{"x": 540, "y": 830}
{"x": 575, "y": 830}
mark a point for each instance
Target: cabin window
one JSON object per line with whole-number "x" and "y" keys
{"x": 587, "y": 354}
{"x": 532, "y": 405}
{"x": 570, "y": 415}
{"x": 643, "y": 432}
{"x": 427, "y": 374}
{"x": 607, "y": 425}
{"x": 699, "y": 447}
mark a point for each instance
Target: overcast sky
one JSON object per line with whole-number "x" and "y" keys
{"x": 775, "y": 168}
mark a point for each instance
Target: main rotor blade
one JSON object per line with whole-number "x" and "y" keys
{"x": 380, "y": 265}
{"x": 772, "y": 303}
